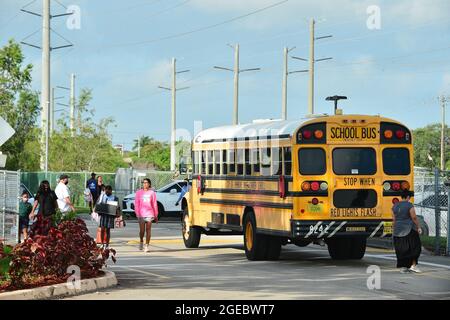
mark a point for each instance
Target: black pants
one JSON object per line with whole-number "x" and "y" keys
{"x": 407, "y": 249}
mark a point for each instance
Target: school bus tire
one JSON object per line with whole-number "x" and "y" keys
{"x": 255, "y": 244}
{"x": 191, "y": 234}
{"x": 339, "y": 248}
{"x": 273, "y": 248}
{"x": 358, "y": 248}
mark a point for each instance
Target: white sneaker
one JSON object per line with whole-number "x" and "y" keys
{"x": 404, "y": 270}
{"x": 141, "y": 245}
{"x": 415, "y": 269}
{"x": 146, "y": 249}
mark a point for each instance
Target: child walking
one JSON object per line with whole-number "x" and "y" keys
{"x": 24, "y": 215}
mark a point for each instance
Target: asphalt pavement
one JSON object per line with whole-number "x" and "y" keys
{"x": 219, "y": 270}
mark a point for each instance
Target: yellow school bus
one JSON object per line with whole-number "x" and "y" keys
{"x": 331, "y": 179}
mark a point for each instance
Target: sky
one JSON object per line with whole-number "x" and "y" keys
{"x": 389, "y": 57}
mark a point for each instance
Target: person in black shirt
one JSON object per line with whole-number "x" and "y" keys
{"x": 46, "y": 199}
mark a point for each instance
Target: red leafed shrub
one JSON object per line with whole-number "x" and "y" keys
{"x": 43, "y": 259}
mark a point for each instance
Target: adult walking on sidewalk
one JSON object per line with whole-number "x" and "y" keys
{"x": 406, "y": 234}
{"x": 62, "y": 192}
{"x": 146, "y": 210}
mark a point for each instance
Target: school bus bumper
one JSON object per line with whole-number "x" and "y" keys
{"x": 322, "y": 229}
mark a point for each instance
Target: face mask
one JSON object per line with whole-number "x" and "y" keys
{"x": 66, "y": 182}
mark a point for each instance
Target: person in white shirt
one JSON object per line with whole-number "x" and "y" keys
{"x": 63, "y": 194}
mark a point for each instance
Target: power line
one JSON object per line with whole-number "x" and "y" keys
{"x": 182, "y": 34}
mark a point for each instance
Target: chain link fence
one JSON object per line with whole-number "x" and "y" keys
{"x": 77, "y": 182}
{"x": 9, "y": 206}
{"x": 124, "y": 182}
{"x": 431, "y": 193}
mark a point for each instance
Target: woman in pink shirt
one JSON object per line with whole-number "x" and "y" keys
{"x": 146, "y": 210}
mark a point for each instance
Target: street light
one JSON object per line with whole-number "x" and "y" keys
{"x": 336, "y": 99}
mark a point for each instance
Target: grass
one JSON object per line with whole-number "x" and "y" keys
{"x": 428, "y": 242}
{"x": 83, "y": 210}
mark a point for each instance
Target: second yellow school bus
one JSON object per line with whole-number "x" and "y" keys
{"x": 327, "y": 178}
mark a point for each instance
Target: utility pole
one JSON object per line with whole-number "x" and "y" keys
{"x": 285, "y": 80}
{"x": 312, "y": 62}
{"x": 443, "y": 102}
{"x": 52, "y": 111}
{"x": 236, "y": 72}
{"x": 45, "y": 85}
{"x": 72, "y": 104}
{"x": 45, "y": 77}
{"x": 174, "y": 89}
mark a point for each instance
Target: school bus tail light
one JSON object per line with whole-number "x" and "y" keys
{"x": 306, "y": 186}
{"x": 324, "y": 186}
{"x": 396, "y": 186}
{"x": 386, "y": 186}
{"x": 395, "y": 200}
{"x": 405, "y": 185}
{"x": 315, "y": 186}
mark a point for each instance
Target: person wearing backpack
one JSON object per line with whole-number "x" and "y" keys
{"x": 91, "y": 184}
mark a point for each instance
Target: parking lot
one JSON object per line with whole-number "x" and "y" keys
{"x": 218, "y": 269}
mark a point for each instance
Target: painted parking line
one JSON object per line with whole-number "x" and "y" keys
{"x": 386, "y": 257}
{"x": 143, "y": 272}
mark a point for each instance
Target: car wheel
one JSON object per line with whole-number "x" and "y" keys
{"x": 161, "y": 210}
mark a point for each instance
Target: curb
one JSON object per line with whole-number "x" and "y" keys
{"x": 62, "y": 289}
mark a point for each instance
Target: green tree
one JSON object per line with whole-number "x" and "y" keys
{"x": 90, "y": 149}
{"x": 19, "y": 106}
{"x": 143, "y": 141}
{"x": 427, "y": 141}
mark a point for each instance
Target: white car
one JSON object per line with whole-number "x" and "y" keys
{"x": 166, "y": 197}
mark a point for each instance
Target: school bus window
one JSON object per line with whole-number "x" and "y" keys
{"x": 265, "y": 161}
{"x": 231, "y": 161}
{"x": 254, "y": 159}
{"x": 240, "y": 161}
{"x": 217, "y": 162}
{"x": 210, "y": 161}
{"x": 312, "y": 161}
{"x": 396, "y": 161}
{"x": 196, "y": 162}
{"x": 203, "y": 162}
{"x": 359, "y": 161}
{"x": 277, "y": 161}
{"x": 224, "y": 162}
{"x": 248, "y": 166}
{"x": 287, "y": 161}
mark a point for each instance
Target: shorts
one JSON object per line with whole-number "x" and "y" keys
{"x": 23, "y": 223}
{"x": 146, "y": 219}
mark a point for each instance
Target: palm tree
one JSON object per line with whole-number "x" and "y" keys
{"x": 143, "y": 141}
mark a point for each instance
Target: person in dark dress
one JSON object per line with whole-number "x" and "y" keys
{"x": 47, "y": 201}
{"x": 107, "y": 221}
{"x": 406, "y": 235}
